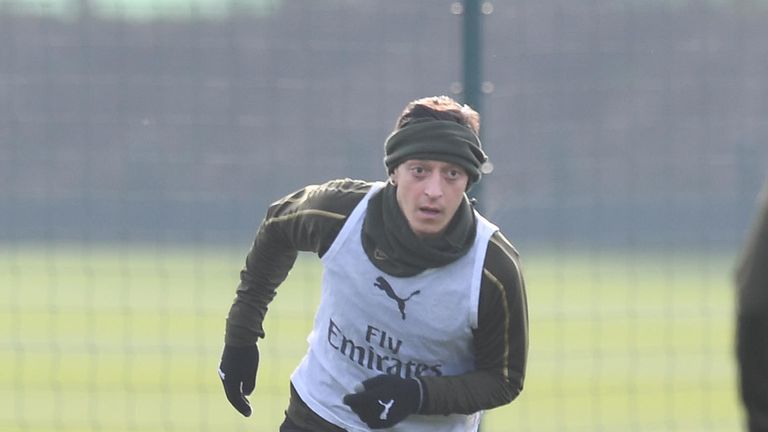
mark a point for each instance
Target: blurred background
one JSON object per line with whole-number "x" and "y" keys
{"x": 142, "y": 140}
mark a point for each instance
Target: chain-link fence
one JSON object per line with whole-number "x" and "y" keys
{"x": 141, "y": 141}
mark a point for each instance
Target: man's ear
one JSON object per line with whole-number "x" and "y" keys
{"x": 392, "y": 177}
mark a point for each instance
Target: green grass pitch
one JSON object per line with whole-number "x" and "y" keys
{"x": 127, "y": 338}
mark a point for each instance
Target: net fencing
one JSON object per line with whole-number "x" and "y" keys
{"x": 141, "y": 142}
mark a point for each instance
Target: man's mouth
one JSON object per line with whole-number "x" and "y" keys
{"x": 431, "y": 211}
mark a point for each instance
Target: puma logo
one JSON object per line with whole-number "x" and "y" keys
{"x": 383, "y": 285}
{"x": 385, "y": 413}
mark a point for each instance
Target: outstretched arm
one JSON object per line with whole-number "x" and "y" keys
{"x": 307, "y": 220}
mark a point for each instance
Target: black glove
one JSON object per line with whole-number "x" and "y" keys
{"x": 238, "y": 374}
{"x": 386, "y": 400}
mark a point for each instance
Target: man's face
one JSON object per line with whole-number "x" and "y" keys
{"x": 429, "y": 193}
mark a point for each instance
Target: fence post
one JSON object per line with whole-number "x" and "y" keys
{"x": 472, "y": 63}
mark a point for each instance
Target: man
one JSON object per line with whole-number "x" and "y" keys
{"x": 422, "y": 321}
{"x": 752, "y": 322}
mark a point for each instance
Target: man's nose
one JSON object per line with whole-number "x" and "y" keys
{"x": 434, "y": 186}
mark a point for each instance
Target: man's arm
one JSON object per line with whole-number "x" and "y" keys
{"x": 752, "y": 321}
{"x": 501, "y": 341}
{"x": 752, "y": 271}
{"x": 307, "y": 220}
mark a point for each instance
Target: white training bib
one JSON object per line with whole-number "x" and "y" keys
{"x": 370, "y": 323}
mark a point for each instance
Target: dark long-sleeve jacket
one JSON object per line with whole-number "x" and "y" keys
{"x": 310, "y": 219}
{"x": 752, "y": 321}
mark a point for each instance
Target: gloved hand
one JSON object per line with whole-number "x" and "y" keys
{"x": 385, "y": 400}
{"x": 238, "y": 374}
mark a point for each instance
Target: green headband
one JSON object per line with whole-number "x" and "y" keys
{"x": 441, "y": 140}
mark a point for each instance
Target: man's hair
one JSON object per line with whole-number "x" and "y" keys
{"x": 439, "y": 108}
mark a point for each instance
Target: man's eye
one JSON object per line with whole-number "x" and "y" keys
{"x": 454, "y": 174}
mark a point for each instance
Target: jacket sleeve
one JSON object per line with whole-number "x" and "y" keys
{"x": 752, "y": 271}
{"x": 500, "y": 341}
{"x": 752, "y": 322}
{"x": 307, "y": 220}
